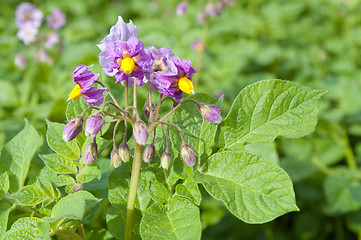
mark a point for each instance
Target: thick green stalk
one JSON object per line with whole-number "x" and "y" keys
{"x": 134, "y": 180}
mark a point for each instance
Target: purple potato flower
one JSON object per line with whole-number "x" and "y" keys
{"x": 56, "y": 19}
{"x": 176, "y": 81}
{"x": 27, "y": 33}
{"x": 84, "y": 78}
{"x": 159, "y": 57}
{"x": 28, "y": 13}
{"x": 181, "y": 8}
{"x": 128, "y": 60}
{"x": 121, "y": 31}
{"x": 52, "y": 39}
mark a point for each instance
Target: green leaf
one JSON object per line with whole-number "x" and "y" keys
{"x": 4, "y": 215}
{"x": 342, "y": 193}
{"x": 180, "y": 219}
{"x": 4, "y": 184}
{"x": 75, "y": 107}
{"x": 267, "y": 109}
{"x": 190, "y": 190}
{"x": 54, "y": 136}
{"x": 119, "y": 181}
{"x": 30, "y": 195}
{"x": 159, "y": 192}
{"x": 252, "y": 187}
{"x": 74, "y": 206}
{"x": 116, "y": 223}
{"x": 59, "y": 164}
{"x": 88, "y": 173}
{"x": 25, "y": 229}
{"x": 17, "y": 154}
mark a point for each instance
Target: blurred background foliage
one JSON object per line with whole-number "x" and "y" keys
{"x": 316, "y": 43}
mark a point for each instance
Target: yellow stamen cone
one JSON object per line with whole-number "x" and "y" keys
{"x": 75, "y": 93}
{"x": 127, "y": 64}
{"x": 186, "y": 85}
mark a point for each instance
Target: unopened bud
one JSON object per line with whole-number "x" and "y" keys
{"x": 188, "y": 155}
{"x": 149, "y": 153}
{"x": 165, "y": 160}
{"x": 210, "y": 113}
{"x": 77, "y": 187}
{"x": 90, "y": 153}
{"x": 73, "y": 128}
{"x": 114, "y": 156}
{"x": 124, "y": 152}
{"x": 146, "y": 109}
{"x": 140, "y": 132}
{"x": 94, "y": 124}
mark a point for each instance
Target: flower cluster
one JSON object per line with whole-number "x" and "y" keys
{"x": 209, "y": 10}
{"x": 124, "y": 57}
{"x": 28, "y": 19}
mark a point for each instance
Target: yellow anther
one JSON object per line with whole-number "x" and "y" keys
{"x": 186, "y": 85}
{"x": 127, "y": 64}
{"x": 75, "y": 93}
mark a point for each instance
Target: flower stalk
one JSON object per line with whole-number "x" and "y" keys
{"x": 134, "y": 180}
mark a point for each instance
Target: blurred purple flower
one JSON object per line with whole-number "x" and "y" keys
{"x": 56, "y": 19}
{"x": 84, "y": 79}
{"x": 121, "y": 31}
{"x": 20, "y": 61}
{"x": 127, "y": 60}
{"x": 198, "y": 45}
{"x": 28, "y": 13}
{"x": 210, "y": 113}
{"x": 211, "y": 9}
{"x": 52, "y": 39}
{"x": 176, "y": 81}
{"x": 181, "y": 8}
{"x": 27, "y": 33}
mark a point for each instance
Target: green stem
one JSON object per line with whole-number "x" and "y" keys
{"x": 67, "y": 233}
{"x": 134, "y": 180}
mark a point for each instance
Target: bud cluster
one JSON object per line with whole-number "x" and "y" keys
{"x": 125, "y": 58}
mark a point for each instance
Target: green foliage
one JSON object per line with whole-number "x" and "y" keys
{"x": 314, "y": 43}
{"x": 179, "y": 220}
{"x": 17, "y": 154}
{"x": 268, "y": 109}
{"x": 252, "y": 187}
{"x": 54, "y": 137}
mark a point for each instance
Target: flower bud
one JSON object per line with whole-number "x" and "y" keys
{"x": 124, "y": 152}
{"x": 149, "y": 153}
{"x": 94, "y": 124}
{"x": 188, "y": 155}
{"x": 165, "y": 159}
{"x": 73, "y": 128}
{"x": 91, "y": 153}
{"x": 146, "y": 110}
{"x": 140, "y": 132}
{"x": 77, "y": 187}
{"x": 210, "y": 113}
{"x": 114, "y": 156}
